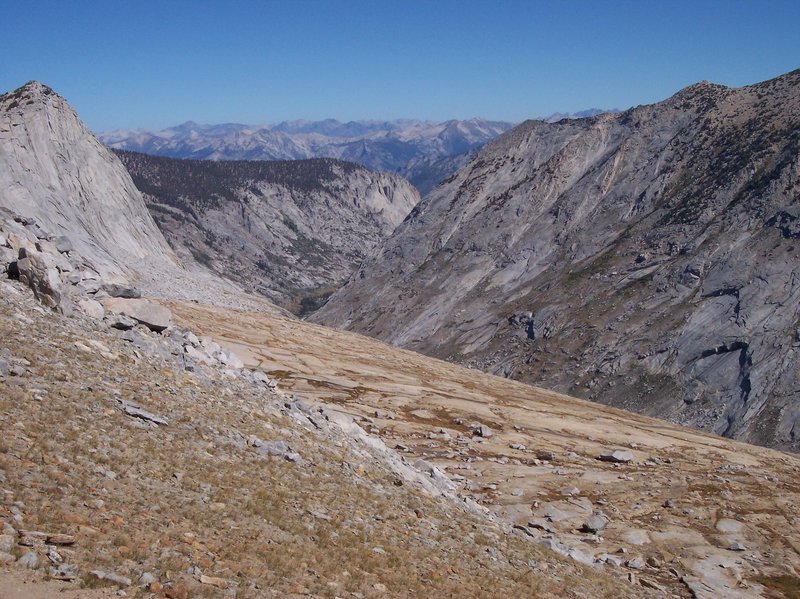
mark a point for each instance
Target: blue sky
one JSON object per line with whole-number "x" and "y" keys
{"x": 155, "y": 64}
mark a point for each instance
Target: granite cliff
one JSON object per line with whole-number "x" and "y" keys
{"x": 56, "y": 173}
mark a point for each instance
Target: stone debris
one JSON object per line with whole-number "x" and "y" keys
{"x": 617, "y": 456}
{"x": 137, "y": 412}
{"x": 122, "y": 581}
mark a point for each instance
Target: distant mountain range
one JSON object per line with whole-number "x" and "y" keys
{"x": 423, "y": 152}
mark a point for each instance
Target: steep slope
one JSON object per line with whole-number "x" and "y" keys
{"x": 423, "y": 152}
{"x": 293, "y": 231}
{"x": 646, "y": 259}
{"x": 54, "y": 171}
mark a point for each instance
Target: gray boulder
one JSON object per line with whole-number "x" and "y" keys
{"x": 154, "y": 316}
{"x": 30, "y": 560}
{"x": 595, "y": 524}
{"x": 63, "y": 244}
{"x": 92, "y": 308}
{"x": 117, "y": 290}
{"x": 617, "y": 456}
{"x": 38, "y": 271}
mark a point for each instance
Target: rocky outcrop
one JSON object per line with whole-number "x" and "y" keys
{"x": 645, "y": 259}
{"x": 293, "y": 231}
{"x": 54, "y": 172}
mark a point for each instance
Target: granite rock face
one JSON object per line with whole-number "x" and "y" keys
{"x": 55, "y": 172}
{"x": 646, "y": 259}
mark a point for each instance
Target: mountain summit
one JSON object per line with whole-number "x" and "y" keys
{"x": 53, "y": 170}
{"x": 646, "y": 259}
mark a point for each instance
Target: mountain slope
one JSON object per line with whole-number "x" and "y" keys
{"x": 148, "y": 460}
{"x": 423, "y": 152}
{"x": 293, "y": 231}
{"x": 53, "y": 170}
{"x": 646, "y": 259}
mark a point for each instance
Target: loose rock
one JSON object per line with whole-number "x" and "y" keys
{"x": 595, "y": 524}
{"x": 154, "y": 316}
{"x": 30, "y": 560}
{"x": 618, "y": 456}
{"x": 122, "y": 581}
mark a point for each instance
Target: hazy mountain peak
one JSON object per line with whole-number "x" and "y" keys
{"x": 423, "y": 152}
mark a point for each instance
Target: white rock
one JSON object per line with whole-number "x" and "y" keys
{"x": 92, "y": 308}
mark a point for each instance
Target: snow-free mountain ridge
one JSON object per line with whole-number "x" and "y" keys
{"x": 292, "y": 231}
{"x": 647, "y": 259}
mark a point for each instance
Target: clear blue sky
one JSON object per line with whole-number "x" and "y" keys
{"x": 154, "y": 64}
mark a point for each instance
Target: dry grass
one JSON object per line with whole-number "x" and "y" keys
{"x": 193, "y": 494}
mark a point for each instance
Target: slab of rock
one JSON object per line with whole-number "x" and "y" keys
{"x": 154, "y": 316}
{"x": 51, "y": 538}
{"x": 213, "y": 581}
{"x": 122, "y": 581}
{"x": 481, "y": 430}
{"x": 137, "y": 412}
{"x": 728, "y": 525}
{"x": 617, "y": 456}
{"x": 636, "y": 536}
